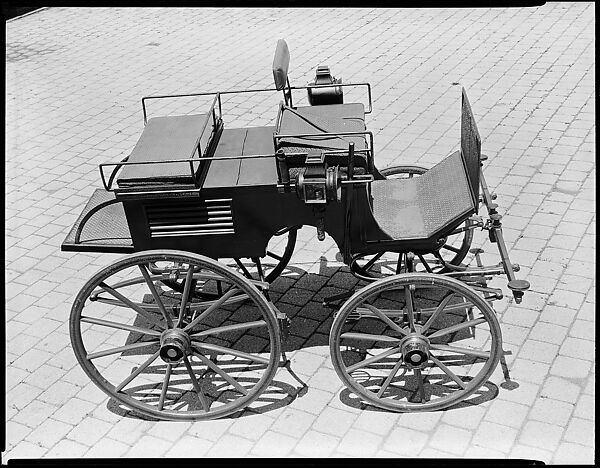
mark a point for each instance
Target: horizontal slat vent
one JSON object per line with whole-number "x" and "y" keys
{"x": 194, "y": 218}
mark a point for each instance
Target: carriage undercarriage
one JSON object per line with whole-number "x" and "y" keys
{"x": 184, "y": 326}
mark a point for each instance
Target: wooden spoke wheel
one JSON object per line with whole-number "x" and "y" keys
{"x": 279, "y": 252}
{"x": 168, "y": 354}
{"x": 415, "y": 342}
{"x": 452, "y": 250}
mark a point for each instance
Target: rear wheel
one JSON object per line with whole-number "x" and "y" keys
{"x": 169, "y": 354}
{"x": 279, "y": 252}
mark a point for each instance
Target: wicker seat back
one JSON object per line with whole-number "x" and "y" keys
{"x": 470, "y": 147}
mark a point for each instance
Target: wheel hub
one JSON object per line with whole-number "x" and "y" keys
{"x": 174, "y": 345}
{"x": 415, "y": 350}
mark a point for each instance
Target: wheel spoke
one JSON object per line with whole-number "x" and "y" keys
{"x": 210, "y": 310}
{"x": 460, "y": 350}
{"x": 196, "y": 385}
{"x": 154, "y": 292}
{"x": 385, "y": 318}
{"x": 186, "y": 293}
{"x": 275, "y": 256}
{"x": 399, "y": 264}
{"x": 221, "y": 372}
{"x": 439, "y": 258}
{"x": 440, "y": 308}
{"x": 389, "y": 378}
{"x": 372, "y": 359}
{"x": 233, "y": 352}
{"x": 447, "y": 371}
{"x": 243, "y": 268}
{"x": 137, "y": 372}
{"x": 122, "y": 284}
{"x": 458, "y": 327}
{"x": 230, "y": 328}
{"x": 165, "y": 386}
{"x": 409, "y": 305}
{"x": 421, "y": 384}
{"x": 451, "y": 248}
{"x": 120, "y": 349}
{"x": 120, "y": 326}
{"x": 130, "y": 304}
{"x": 370, "y": 263}
{"x": 369, "y": 337}
{"x": 424, "y": 263}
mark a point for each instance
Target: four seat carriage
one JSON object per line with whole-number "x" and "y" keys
{"x": 183, "y": 326}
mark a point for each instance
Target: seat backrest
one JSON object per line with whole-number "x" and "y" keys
{"x": 281, "y": 63}
{"x": 470, "y": 147}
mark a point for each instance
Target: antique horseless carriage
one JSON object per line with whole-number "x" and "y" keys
{"x": 183, "y": 327}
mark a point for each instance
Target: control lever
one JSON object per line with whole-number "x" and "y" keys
{"x": 283, "y": 170}
{"x": 321, "y": 229}
{"x": 319, "y": 214}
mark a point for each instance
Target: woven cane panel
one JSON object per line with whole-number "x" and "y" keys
{"x": 444, "y": 193}
{"x": 396, "y": 208}
{"x": 470, "y": 144}
{"x": 108, "y": 226}
{"x": 418, "y": 208}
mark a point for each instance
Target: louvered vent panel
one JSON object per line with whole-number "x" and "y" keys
{"x": 200, "y": 218}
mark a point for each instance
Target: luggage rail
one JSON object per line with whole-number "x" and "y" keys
{"x": 218, "y": 95}
{"x": 109, "y": 185}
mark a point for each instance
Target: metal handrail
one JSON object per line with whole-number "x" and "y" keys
{"x": 191, "y": 161}
{"x": 216, "y": 100}
{"x": 242, "y": 91}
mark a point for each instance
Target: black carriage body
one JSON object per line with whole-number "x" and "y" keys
{"x": 233, "y": 215}
{"x": 192, "y": 185}
{"x": 217, "y": 222}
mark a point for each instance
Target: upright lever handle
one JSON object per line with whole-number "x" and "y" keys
{"x": 282, "y": 168}
{"x": 350, "y": 160}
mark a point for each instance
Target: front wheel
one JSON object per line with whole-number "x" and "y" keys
{"x": 415, "y": 342}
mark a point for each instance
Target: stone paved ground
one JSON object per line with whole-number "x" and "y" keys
{"x": 74, "y": 80}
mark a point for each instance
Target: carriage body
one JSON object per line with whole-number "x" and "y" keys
{"x": 220, "y": 195}
{"x": 225, "y": 198}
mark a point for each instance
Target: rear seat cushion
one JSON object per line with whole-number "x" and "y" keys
{"x": 165, "y": 138}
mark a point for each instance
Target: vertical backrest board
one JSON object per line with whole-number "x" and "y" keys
{"x": 470, "y": 147}
{"x": 281, "y": 63}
